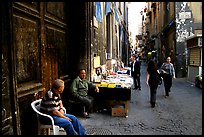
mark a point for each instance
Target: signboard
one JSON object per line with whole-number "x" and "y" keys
{"x": 95, "y": 22}
{"x": 96, "y": 61}
{"x": 184, "y": 15}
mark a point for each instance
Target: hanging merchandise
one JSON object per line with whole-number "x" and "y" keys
{"x": 116, "y": 12}
{"x": 108, "y": 7}
{"x": 98, "y": 12}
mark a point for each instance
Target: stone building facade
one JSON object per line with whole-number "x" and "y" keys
{"x": 42, "y": 41}
{"x": 166, "y": 27}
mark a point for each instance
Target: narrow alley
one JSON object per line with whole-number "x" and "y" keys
{"x": 180, "y": 114}
{"x": 45, "y": 41}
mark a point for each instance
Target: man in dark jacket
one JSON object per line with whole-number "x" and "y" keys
{"x": 135, "y": 72}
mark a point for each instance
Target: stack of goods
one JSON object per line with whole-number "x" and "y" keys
{"x": 116, "y": 81}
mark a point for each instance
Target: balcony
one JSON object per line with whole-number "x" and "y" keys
{"x": 149, "y": 13}
{"x": 145, "y": 10}
{"x": 153, "y": 5}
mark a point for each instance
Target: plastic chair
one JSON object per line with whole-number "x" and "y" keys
{"x": 36, "y": 107}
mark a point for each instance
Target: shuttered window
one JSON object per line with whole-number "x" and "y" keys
{"x": 195, "y": 57}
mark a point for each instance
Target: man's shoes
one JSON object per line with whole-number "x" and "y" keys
{"x": 139, "y": 88}
{"x": 86, "y": 115}
{"x": 153, "y": 105}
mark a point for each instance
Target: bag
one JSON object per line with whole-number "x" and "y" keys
{"x": 159, "y": 79}
{"x": 162, "y": 73}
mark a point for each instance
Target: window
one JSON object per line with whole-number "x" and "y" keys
{"x": 200, "y": 42}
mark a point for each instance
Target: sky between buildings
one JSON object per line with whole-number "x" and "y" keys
{"x": 135, "y": 18}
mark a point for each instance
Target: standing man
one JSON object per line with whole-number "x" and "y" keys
{"x": 135, "y": 72}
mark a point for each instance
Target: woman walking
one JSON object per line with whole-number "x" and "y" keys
{"x": 168, "y": 72}
{"x": 152, "y": 81}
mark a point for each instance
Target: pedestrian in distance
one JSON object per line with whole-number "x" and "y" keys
{"x": 152, "y": 80}
{"x": 135, "y": 72}
{"x": 80, "y": 89}
{"x": 52, "y": 105}
{"x": 168, "y": 73}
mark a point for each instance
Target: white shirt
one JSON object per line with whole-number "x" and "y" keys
{"x": 133, "y": 66}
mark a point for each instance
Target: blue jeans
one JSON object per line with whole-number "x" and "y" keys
{"x": 73, "y": 127}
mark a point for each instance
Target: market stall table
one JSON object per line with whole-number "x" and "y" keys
{"x": 118, "y": 95}
{"x": 118, "y": 98}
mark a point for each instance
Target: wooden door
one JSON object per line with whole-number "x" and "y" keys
{"x": 40, "y": 44}
{"x": 39, "y": 30}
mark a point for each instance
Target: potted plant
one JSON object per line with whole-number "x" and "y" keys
{"x": 198, "y": 81}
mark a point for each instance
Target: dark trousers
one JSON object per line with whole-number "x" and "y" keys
{"x": 153, "y": 91}
{"x": 87, "y": 101}
{"x": 136, "y": 80}
{"x": 167, "y": 83}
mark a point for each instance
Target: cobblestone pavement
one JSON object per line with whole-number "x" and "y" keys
{"x": 179, "y": 114}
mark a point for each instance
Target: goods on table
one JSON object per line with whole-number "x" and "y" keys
{"x": 116, "y": 81}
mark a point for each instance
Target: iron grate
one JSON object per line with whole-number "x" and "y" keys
{"x": 98, "y": 131}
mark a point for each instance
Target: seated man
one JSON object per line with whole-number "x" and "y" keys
{"x": 80, "y": 88}
{"x": 52, "y": 105}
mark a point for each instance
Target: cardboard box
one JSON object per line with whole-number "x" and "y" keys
{"x": 119, "y": 108}
{"x": 118, "y": 112}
